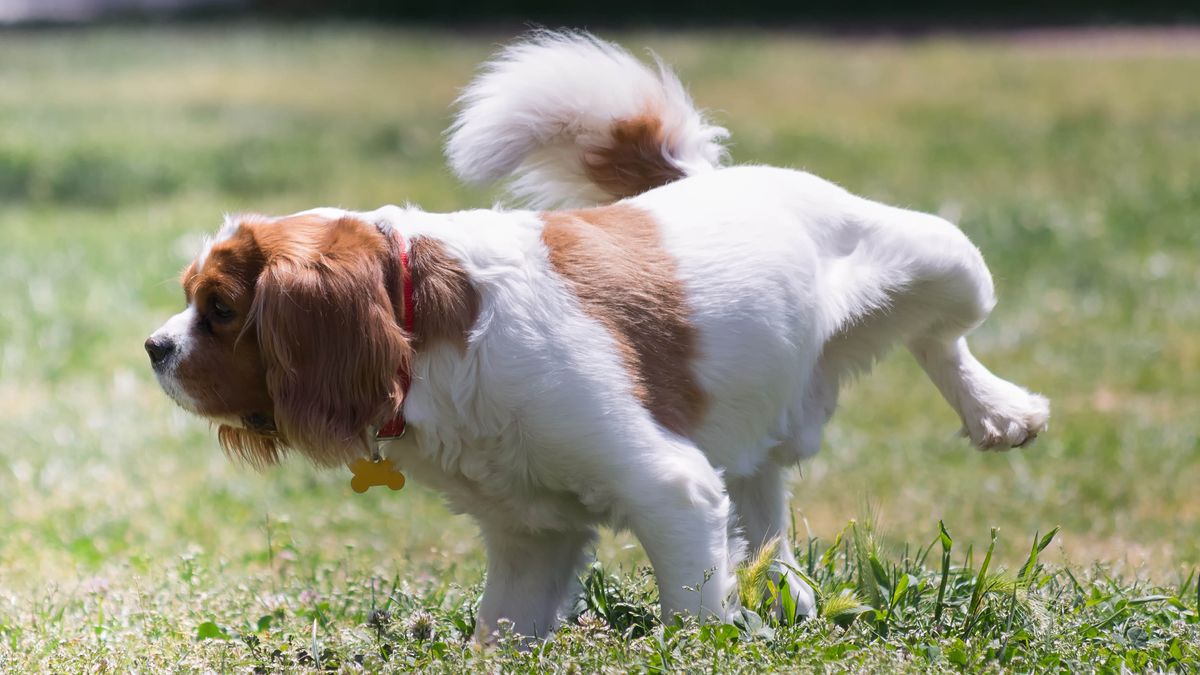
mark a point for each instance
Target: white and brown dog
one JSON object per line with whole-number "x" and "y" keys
{"x": 654, "y": 358}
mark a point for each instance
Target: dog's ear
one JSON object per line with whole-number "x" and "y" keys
{"x": 330, "y": 343}
{"x": 254, "y": 448}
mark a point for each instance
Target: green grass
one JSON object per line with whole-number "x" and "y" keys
{"x": 128, "y": 541}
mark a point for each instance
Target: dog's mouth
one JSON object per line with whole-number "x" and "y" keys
{"x": 172, "y": 388}
{"x": 261, "y": 424}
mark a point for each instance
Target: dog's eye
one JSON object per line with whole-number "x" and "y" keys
{"x": 221, "y": 311}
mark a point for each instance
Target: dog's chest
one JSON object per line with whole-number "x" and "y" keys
{"x": 492, "y": 480}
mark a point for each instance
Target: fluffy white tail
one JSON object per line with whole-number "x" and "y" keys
{"x": 576, "y": 121}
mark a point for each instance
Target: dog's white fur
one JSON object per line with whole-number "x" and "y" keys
{"x": 541, "y": 105}
{"x": 793, "y": 286}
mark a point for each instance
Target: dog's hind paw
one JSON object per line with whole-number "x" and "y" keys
{"x": 1006, "y": 416}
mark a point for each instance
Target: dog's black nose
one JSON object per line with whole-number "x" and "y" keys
{"x": 159, "y": 349}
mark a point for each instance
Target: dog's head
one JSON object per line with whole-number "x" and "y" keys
{"x": 290, "y": 338}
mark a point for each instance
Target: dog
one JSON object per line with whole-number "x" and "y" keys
{"x": 651, "y": 345}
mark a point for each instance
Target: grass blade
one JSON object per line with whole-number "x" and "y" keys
{"x": 1028, "y": 571}
{"x": 753, "y": 576}
{"x": 980, "y": 584}
{"x": 947, "y": 544}
{"x": 1012, "y": 612}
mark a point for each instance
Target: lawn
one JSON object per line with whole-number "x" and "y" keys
{"x": 127, "y": 541}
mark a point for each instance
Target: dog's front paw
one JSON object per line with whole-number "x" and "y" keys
{"x": 1005, "y": 417}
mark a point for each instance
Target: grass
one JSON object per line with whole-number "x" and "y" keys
{"x": 129, "y": 542}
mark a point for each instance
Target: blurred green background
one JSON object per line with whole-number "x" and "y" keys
{"x": 1070, "y": 160}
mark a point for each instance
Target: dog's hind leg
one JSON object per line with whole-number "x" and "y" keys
{"x": 996, "y": 413}
{"x": 916, "y": 279}
{"x": 761, "y": 503}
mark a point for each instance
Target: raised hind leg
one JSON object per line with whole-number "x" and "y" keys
{"x": 996, "y": 414}
{"x": 916, "y": 279}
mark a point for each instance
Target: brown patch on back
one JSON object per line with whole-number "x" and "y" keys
{"x": 634, "y": 161}
{"x": 444, "y": 302}
{"x": 614, "y": 260}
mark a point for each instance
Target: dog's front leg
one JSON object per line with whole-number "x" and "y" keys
{"x": 528, "y": 576}
{"x": 676, "y": 505}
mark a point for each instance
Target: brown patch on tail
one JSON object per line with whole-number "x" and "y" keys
{"x": 634, "y": 161}
{"x": 614, "y": 260}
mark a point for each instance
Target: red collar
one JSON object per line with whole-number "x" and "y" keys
{"x": 395, "y": 427}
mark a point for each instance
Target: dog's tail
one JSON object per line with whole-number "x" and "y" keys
{"x": 577, "y": 121}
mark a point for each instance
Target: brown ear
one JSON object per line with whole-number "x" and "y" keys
{"x": 331, "y": 346}
{"x": 254, "y": 448}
